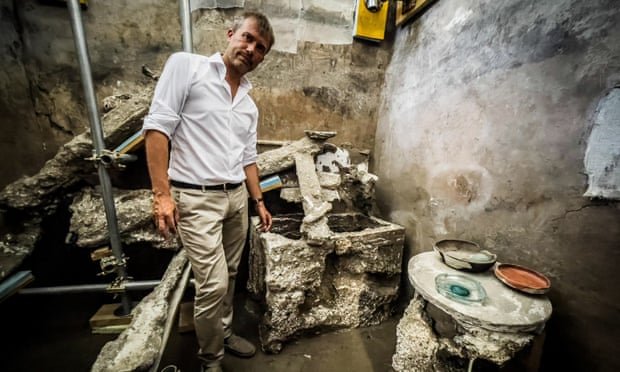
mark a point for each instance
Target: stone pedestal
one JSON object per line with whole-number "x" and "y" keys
{"x": 348, "y": 281}
{"x": 437, "y": 333}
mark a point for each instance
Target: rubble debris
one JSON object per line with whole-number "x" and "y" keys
{"x": 320, "y": 275}
{"x": 314, "y": 224}
{"x": 283, "y": 158}
{"x": 416, "y": 345}
{"x": 319, "y": 135}
{"x": 147, "y": 71}
{"x": 139, "y": 347}
{"x": 32, "y": 198}
{"x": 88, "y": 228}
{"x": 45, "y": 189}
{"x": 327, "y": 268}
{"x": 428, "y": 339}
{"x": 332, "y": 159}
{"x": 15, "y": 247}
{"x": 351, "y": 280}
{"x": 111, "y": 102}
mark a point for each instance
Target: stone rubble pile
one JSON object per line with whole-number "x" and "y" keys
{"x": 331, "y": 266}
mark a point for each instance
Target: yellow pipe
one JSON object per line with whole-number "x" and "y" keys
{"x": 130, "y": 143}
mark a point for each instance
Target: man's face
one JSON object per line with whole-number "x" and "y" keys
{"x": 246, "y": 47}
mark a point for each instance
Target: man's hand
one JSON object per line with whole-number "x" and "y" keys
{"x": 265, "y": 216}
{"x": 165, "y": 214}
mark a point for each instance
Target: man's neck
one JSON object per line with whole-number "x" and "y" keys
{"x": 234, "y": 82}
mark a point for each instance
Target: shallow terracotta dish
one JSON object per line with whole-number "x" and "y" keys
{"x": 464, "y": 255}
{"x": 522, "y": 278}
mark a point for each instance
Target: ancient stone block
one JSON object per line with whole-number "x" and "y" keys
{"x": 348, "y": 281}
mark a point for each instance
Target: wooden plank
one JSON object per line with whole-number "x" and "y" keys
{"x": 105, "y": 317}
{"x": 186, "y": 317}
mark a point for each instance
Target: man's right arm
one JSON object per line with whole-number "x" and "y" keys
{"x": 165, "y": 213}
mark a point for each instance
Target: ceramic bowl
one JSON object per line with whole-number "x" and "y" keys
{"x": 464, "y": 255}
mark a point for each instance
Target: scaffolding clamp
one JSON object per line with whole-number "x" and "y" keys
{"x": 117, "y": 285}
{"x": 108, "y": 262}
{"x": 113, "y": 159}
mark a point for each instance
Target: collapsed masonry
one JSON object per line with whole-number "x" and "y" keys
{"x": 28, "y": 201}
{"x": 330, "y": 265}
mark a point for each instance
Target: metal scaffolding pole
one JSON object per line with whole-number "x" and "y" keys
{"x": 186, "y": 25}
{"x": 87, "y": 288}
{"x": 99, "y": 147}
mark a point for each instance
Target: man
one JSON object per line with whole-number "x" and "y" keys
{"x": 202, "y": 110}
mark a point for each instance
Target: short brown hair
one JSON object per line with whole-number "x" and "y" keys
{"x": 264, "y": 27}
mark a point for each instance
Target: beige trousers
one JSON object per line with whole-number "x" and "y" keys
{"x": 213, "y": 227}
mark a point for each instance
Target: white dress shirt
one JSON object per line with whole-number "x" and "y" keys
{"x": 213, "y": 137}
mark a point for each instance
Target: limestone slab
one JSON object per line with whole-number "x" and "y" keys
{"x": 504, "y": 309}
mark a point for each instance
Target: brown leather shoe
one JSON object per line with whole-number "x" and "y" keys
{"x": 211, "y": 368}
{"x": 239, "y": 346}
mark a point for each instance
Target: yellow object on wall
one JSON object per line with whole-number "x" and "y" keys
{"x": 406, "y": 9}
{"x": 370, "y": 25}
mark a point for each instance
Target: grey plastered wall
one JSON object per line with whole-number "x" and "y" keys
{"x": 486, "y": 113}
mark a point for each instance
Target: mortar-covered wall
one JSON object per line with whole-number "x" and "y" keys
{"x": 316, "y": 76}
{"x": 42, "y": 92}
{"x": 485, "y": 119}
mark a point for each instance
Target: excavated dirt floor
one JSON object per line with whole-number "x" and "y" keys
{"x": 360, "y": 350}
{"x": 51, "y": 333}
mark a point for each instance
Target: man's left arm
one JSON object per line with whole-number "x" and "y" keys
{"x": 253, "y": 184}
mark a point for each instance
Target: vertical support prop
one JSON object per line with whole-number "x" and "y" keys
{"x": 186, "y": 25}
{"x": 97, "y": 136}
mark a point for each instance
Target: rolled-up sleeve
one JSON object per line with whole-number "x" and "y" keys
{"x": 169, "y": 96}
{"x": 250, "y": 155}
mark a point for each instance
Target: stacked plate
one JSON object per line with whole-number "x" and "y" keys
{"x": 522, "y": 279}
{"x": 469, "y": 256}
{"x": 464, "y": 255}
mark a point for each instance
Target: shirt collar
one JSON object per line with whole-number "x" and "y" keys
{"x": 221, "y": 70}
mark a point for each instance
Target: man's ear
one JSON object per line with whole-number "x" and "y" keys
{"x": 230, "y": 33}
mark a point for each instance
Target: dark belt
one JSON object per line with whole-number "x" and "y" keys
{"x": 223, "y": 186}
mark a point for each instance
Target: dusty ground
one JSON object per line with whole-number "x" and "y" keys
{"x": 51, "y": 333}
{"x": 361, "y": 350}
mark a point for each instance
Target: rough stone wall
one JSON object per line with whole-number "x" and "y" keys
{"x": 315, "y": 81}
{"x": 23, "y": 135}
{"x": 43, "y": 104}
{"x": 323, "y": 86}
{"x": 485, "y": 117}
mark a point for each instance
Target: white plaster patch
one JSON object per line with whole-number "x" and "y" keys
{"x": 513, "y": 300}
{"x": 537, "y": 309}
{"x": 469, "y": 184}
{"x": 439, "y": 213}
{"x": 456, "y": 192}
{"x": 303, "y": 29}
{"x": 333, "y": 161}
{"x": 602, "y": 160}
{"x": 460, "y": 17}
{"x": 325, "y": 33}
{"x": 214, "y": 4}
{"x": 287, "y": 30}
